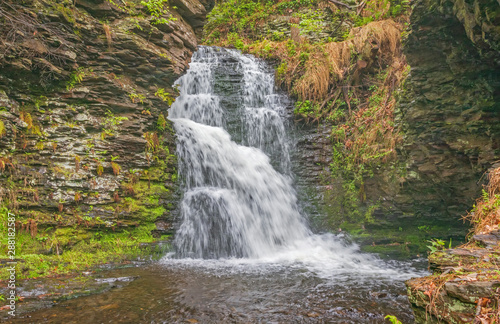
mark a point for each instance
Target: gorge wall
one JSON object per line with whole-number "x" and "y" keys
{"x": 455, "y": 49}
{"x": 87, "y": 156}
{"x": 449, "y": 114}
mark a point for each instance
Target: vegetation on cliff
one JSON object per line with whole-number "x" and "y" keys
{"x": 345, "y": 67}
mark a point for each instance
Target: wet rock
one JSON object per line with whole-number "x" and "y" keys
{"x": 465, "y": 279}
{"x": 192, "y": 10}
{"x": 491, "y": 239}
{"x": 470, "y": 291}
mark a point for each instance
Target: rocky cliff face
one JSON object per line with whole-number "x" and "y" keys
{"x": 452, "y": 126}
{"x": 84, "y": 90}
{"x": 449, "y": 116}
{"x": 481, "y": 21}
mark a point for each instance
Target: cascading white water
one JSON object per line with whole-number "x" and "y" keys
{"x": 263, "y": 110}
{"x": 236, "y": 204}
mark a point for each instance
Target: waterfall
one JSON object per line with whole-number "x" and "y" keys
{"x": 235, "y": 203}
{"x": 239, "y": 206}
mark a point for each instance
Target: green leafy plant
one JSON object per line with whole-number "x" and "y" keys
{"x": 77, "y": 77}
{"x": 2, "y": 129}
{"x": 111, "y": 123}
{"x": 165, "y": 96}
{"x": 393, "y": 319}
{"x": 152, "y": 141}
{"x": 436, "y": 245}
{"x": 399, "y": 7}
{"x": 278, "y": 35}
{"x": 136, "y": 97}
{"x": 100, "y": 169}
{"x": 424, "y": 228}
{"x": 161, "y": 124}
{"x": 158, "y": 9}
{"x": 116, "y": 168}
{"x": 306, "y": 108}
{"x": 281, "y": 71}
{"x": 235, "y": 40}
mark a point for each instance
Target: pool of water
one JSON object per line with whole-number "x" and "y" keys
{"x": 240, "y": 291}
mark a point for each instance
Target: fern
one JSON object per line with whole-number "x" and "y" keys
{"x": 116, "y": 168}
{"x": 161, "y": 123}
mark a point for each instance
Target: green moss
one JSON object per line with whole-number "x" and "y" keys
{"x": 143, "y": 212}
{"x": 73, "y": 249}
{"x": 145, "y": 204}
{"x": 457, "y": 306}
{"x": 156, "y": 174}
{"x": 2, "y": 129}
{"x": 158, "y": 10}
{"x": 55, "y": 250}
{"x": 66, "y": 12}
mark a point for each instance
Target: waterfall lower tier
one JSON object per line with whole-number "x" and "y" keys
{"x": 236, "y": 204}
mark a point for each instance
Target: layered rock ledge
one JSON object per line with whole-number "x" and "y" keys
{"x": 87, "y": 156}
